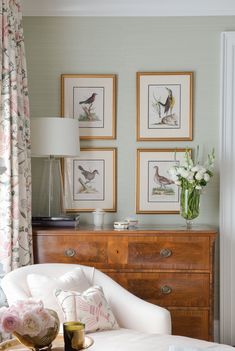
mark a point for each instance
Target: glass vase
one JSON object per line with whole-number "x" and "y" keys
{"x": 189, "y": 205}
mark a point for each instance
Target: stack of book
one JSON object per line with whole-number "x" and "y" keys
{"x": 64, "y": 221}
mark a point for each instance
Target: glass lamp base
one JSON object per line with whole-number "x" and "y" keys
{"x": 50, "y": 198}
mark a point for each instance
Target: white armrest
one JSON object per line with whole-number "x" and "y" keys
{"x": 14, "y": 291}
{"x": 132, "y": 312}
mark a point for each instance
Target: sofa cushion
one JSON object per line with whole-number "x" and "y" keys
{"x": 131, "y": 340}
{"x": 89, "y": 307}
{"x": 42, "y": 287}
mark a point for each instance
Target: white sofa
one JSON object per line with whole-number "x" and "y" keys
{"x": 143, "y": 326}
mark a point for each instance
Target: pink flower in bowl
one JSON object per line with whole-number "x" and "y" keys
{"x": 9, "y": 322}
{"x": 27, "y": 317}
{"x": 31, "y": 324}
{"x": 46, "y": 319}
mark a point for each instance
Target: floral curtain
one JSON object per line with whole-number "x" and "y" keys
{"x": 15, "y": 165}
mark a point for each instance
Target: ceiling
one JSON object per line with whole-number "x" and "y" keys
{"x": 128, "y": 7}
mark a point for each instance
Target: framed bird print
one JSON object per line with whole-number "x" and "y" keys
{"x": 156, "y": 192}
{"x": 164, "y": 106}
{"x": 90, "y": 98}
{"x": 90, "y": 180}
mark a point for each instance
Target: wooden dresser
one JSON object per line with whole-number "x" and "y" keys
{"x": 172, "y": 268}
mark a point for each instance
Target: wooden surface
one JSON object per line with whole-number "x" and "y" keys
{"x": 172, "y": 268}
{"x": 57, "y": 344}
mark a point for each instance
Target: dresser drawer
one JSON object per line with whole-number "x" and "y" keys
{"x": 72, "y": 249}
{"x": 129, "y": 252}
{"x": 170, "y": 252}
{"x": 167, "y": 289}
{"x": 191, "y": 323}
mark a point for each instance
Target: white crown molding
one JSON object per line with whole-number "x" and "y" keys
{"x": 128, "y": 8}
{"x": 227, "y": 190}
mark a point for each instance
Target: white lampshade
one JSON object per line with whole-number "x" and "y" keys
{"x": 54, "y": 136}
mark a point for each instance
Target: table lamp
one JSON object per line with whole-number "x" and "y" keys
{"x": 53, "y": 138}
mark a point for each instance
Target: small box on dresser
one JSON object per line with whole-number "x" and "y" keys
{"x": 173, "y": 268}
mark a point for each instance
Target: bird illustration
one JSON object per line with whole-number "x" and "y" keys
{"x": 162, "y": 181}
{"x": 170, "y": 102}
{"x": 89, "y": 176}
{"x": 90, "y": 100}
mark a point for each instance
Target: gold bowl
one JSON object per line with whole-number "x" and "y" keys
{"x": 39, "y": 343}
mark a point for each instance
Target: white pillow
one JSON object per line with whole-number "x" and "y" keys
{"x": 89, "y": 307}
{"x": 42, "y": 287}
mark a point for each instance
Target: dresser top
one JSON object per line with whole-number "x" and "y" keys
{"x": 140, "y": 230}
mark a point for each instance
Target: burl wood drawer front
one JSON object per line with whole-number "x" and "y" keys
{"x": 69, "y": 249}
{"x": 167, "y": 289}
{"x": 198, "y": 320}
{"x": 170, "y": 253}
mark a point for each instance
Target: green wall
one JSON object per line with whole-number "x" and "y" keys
{"x": 123, "y": 46}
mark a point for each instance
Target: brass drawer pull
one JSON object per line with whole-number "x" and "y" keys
{"x": 165, "y": 253}
{"x": 69, "y": 252}
{"x": 166, "y": 290}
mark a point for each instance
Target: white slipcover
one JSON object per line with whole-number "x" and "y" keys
{"x": 144, "y": 326}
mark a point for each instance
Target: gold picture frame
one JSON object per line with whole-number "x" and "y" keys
{"x": 91, "y": 98}
{"x": 164, "y": 106}
{"x": 152, "y": 196}
{"x": 90, "y": 180}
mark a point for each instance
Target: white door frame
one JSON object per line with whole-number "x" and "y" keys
{"x": 227, "y": 190}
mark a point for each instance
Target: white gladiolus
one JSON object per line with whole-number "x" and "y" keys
{"x": 203, "y": 170}
{"x": 184, "y": 173}
{"x": 199, "y": 176}
{"x": 206, "y": 177}
{"x": 195, "y": 168}
{"x": 198, "y": 187}
{"x": 180, "y": 170}
{"x": 199, "y": 168}
{"x": 190, "y": 176}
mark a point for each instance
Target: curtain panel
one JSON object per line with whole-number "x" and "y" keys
{"x": 15, "y": 163}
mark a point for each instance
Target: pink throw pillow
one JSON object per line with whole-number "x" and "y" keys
{"x": 89, "y": 307}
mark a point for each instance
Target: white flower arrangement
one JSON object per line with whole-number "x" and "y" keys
{"x": 191, "y": 178}
{"x": 192, "y": 175}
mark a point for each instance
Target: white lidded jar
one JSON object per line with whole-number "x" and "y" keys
{"x": 98, "y": 217}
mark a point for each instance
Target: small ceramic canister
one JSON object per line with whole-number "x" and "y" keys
{"x": 98, "y": 217}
